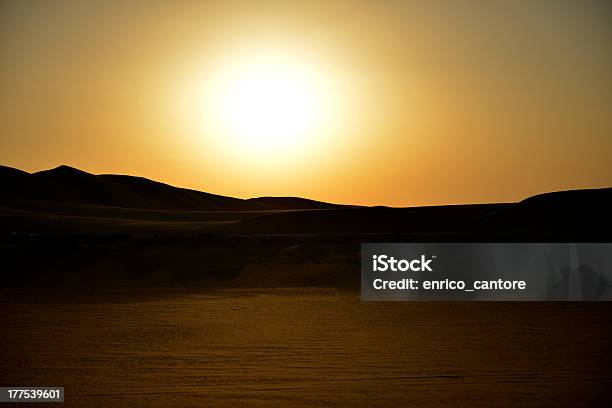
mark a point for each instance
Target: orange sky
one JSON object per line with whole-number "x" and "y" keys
{"x": 433, "y": 102}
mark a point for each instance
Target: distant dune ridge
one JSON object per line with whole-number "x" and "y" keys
{"x": 65, "y": 183}
{"x": 62, "y": 198}
{"x": 66, "y": 227}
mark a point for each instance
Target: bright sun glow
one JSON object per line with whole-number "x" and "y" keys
{"x": 274, "y": 105}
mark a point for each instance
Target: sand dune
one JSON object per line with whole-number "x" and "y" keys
{"x": 68, "y": 184}
{"x": 162, "y": 241}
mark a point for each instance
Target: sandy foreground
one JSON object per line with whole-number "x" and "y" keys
{"x": 304, "y": 347}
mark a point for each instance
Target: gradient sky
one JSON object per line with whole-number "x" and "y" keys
{"x": 437, "y": 101}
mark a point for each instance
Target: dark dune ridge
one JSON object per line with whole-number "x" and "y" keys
{"x": 70, "y": 196}
{"x": 68, "y": 227}
{"x": 71, "y": 185}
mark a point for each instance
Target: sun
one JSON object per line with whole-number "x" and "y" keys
{"x": 272, "y": 106}
{"x": 269, "y": 104}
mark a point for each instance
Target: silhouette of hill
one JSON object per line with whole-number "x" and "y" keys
{"x": 291, "y": 203}
{"x": 66, "y": 199}
{"x": 557, "y": 215}
{"x": 68, "y": 227}
{"x": 68, "y": 184}
{"x": 570, "y": 210}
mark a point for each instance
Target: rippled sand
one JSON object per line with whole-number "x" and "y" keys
{"x": 306, "y": 348}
